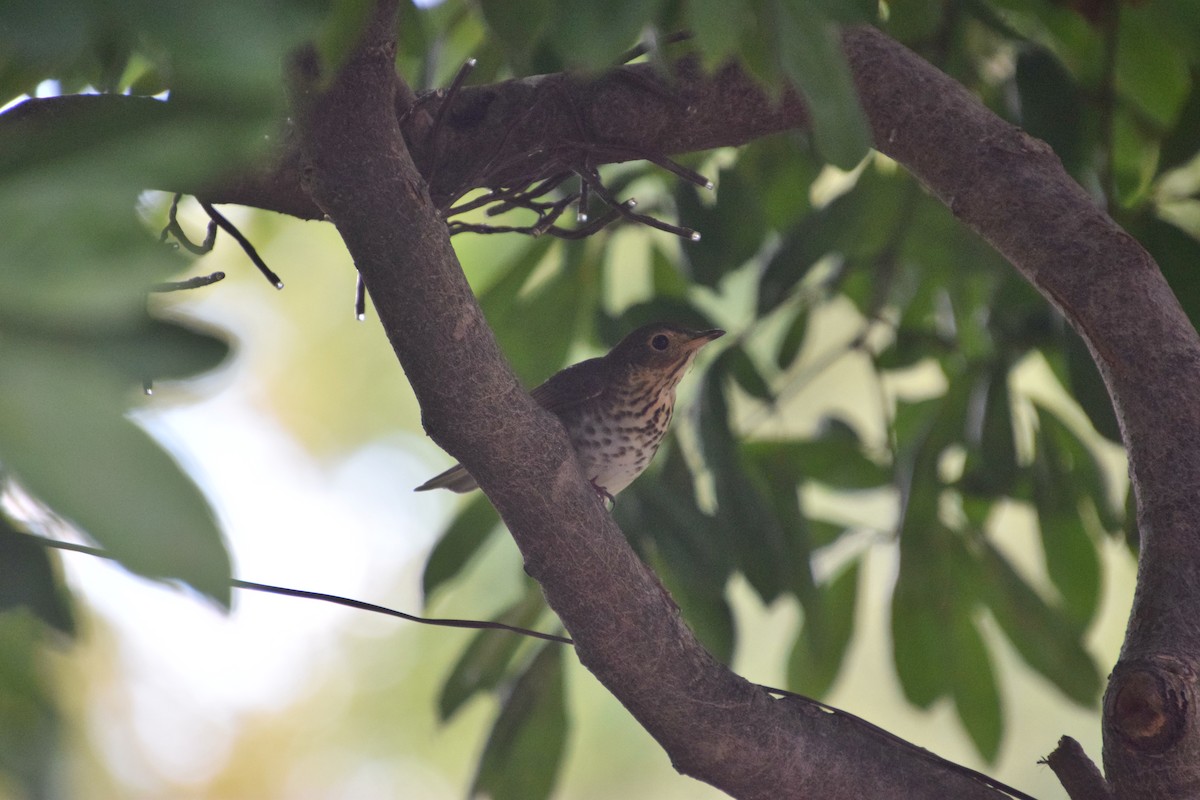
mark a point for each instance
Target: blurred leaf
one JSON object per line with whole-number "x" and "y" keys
{"x": 732, "y": 228}
{"x": 859, "y": 224}
{"x": 64, "y": 435}
{"x": 1182, "y": 143}
{"x": 776, "y": 469}
{"x": 29, "y": 738}
{"x": 747, "y": 526}
{"x": 594, "y": 35}
{"x": 809, "y": 48}
{"x": 518, "y": 26}
{"x": 991, "y": 469}
{"x": 535, "y": 320}
{"x": 824, "y": 635}
{"x": 974, "y": 688}
{"x": 718, "y": 29}
{"x": 1150, "y": 76}
{"x": 705, "y": 608}
{"x": 1041, "y": 634}
{"x": 1051, "y": 105}
{"x": 834, "y": 456}
{"x": 747, "y": 375}
{"x": 485, "y": 661}
{"x": 28, "y": 580}
{"x": 793, "y": 340}
{"x": 660, "y": 516}
{"x": 922, "y": 607}
{"x": 1071, "y": 557}
{"x": 524, "y": 750}
{"x": 475, "y": 522}
{"x": 668, "y": 280}
{"x": 341, "y": 31}
{"x": 1178, "y": 256}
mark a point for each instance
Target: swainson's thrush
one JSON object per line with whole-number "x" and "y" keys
{"x": 615, "y": 408}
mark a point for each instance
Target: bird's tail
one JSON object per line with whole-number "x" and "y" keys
{"x": 456, "y": 479}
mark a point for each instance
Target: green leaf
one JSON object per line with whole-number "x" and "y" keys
{"x": 475, "y": 522}
{"x": 485, "y": 661}
{"x": 704, "y": 607}
{"x": 748, "y": 528}
{"x": 820, "y": 647}
{"x": 732, "y": 228}
{"x": 1043, "y": 636}
{"x": 64, "y": 435}
{"x": 833, "y": 457}
{"x": 524, "y": 750}
{"x": 28, "y": 580}
{"x": 793, "y": 340}
{"x": 747, "y": 375}
{"x": 1183, "y": 141}
{"x": 922, "y": 607}
{"x": 1177, "y": 255}
{"x": 518, "y": 26}
{"x": 974, "y": 688}
{"x": 838, "y": 227}
{"x": 683, "y": 544}
{"x": 30, "y": 748}
{"x": 1151, "y": 77}
{"x": 991, "y": 469}
{"x": 718, "y": 29}
{"x": 1087, "y": 387}
{"x": 535, "y": 320}
{"x": 1051, "y": 105}
{"x": 1071, "y": 557}
{"x": 776, "y": 469}
{"x": 665, "y": 272}
{"x": 594, "y": 35}
{"x": 809, "y": 48}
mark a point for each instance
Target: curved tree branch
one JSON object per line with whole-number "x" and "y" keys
{"x": 628, "y": 632}
{"x": 367, "y": 164}
{"x": 1013, "y": 191}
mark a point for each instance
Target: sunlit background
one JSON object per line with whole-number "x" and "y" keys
{"x": 308, "y": 444}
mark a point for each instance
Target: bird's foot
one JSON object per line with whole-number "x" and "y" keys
{"x": 606, "y": 499}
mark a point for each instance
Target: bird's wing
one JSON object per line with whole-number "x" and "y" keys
{"x": 572, "y": 386}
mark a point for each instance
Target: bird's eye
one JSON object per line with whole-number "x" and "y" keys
{"x": 660, "y": 342}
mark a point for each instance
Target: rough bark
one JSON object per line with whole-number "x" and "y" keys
{"x": 714, "y": 725}
{"x": 367, "y": 175}
{"x": 1013, "y": 190}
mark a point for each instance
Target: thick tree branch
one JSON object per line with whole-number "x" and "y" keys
{"x": 715, "y": 726}
{"x": 1013, "y": 190}
{"x": 367, "y": 176}
{"x": 492, "y": 135}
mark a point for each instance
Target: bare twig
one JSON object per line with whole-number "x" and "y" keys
{"x": 231, "y": 229}
{"x": 360, "y": 298}
{"x": 190, "y": 283}
{"x": 625, "y": 208}
{"x": 644, "y": 47}
{"x": 451, "y": 93}
{"x": 1076, "y": 772}
{"x": 174, "y": 229}
{"x": 473, "y": 624}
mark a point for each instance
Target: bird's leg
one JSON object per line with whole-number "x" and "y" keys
{"x": 602, "y": 493}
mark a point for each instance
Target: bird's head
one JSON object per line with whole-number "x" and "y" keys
{"x": 662, "y": 349}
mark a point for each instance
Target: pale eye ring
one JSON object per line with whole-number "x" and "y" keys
{"x": 660, "y": 342}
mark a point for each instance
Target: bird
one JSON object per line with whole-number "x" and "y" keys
{"x": 615, "y": 408}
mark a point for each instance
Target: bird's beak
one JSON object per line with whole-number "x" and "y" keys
{"x": 704, "y": 337}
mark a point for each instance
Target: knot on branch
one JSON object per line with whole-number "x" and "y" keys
{"x": 1149, "y": 701}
